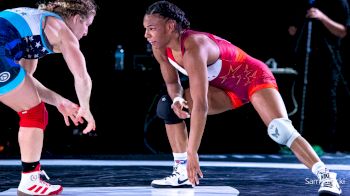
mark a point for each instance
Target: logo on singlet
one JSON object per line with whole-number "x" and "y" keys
{"x": 4, "y": 76}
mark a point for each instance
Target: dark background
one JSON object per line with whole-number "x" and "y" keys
{"x": 123, "y": 102}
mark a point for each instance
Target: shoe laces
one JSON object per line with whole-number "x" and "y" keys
{"x": 175, "y": 167}
{"x": 175, "y": 172}
{"x": 328, "y": 183}
{"x": 43, "y": 173}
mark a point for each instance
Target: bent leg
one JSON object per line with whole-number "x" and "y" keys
{"x": 178, "y": 138}
{"x": 175, "y": 127}
{"x": 218, "y": 100}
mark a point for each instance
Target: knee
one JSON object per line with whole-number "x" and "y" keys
{"x": 165, "y": 112}
{"x": 282, "y": 131}
{"x": 36, "y": 117}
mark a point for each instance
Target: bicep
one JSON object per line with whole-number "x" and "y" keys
{"x": 195, "y": 63}
{"x": 169, "y": 73}
{"x": 71, "y": 53}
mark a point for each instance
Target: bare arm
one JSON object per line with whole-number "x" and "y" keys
{"x": 77, "y": 65}
{"x": 334, "y": 27}
{"x": 169, "y": 73}
{"x": 195, "y": 62}
{"x": 46, "y": 95}
{"x": 67, "y": 108}
{"x": 200, "y": 51}
{"x": 64, "y": 41}
{"x": 82, "y": 81}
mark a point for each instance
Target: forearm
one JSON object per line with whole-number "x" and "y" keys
{"x": 335, "y": 28}
{"x": 47, "y": 95}
{"x": 197, "y": 124}
{"x": 83, "y": 88}
{"x": 174, "y": 90}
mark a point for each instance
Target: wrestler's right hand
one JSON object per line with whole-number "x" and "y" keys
{"x": 179, "y": 106}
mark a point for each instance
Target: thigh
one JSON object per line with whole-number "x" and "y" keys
{"x": 269, "y": 104}
{"x": 23, "y": 97}
{"x": 218, "y": 100}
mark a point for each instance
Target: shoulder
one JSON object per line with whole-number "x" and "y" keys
{"x": 55, "y": 30}
{"x": 55, "y": 22}
{"x": 198, "y": 40}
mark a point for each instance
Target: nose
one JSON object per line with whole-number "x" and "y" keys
{"x": 146, "y": 34}
{"x": 85, "y": 30}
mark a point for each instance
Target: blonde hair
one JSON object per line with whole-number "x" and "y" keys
{"x": 68, "y": 8}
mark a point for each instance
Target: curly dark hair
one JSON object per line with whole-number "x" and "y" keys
{"x": 171, "y": 11}
{"x": 68, "y": 8}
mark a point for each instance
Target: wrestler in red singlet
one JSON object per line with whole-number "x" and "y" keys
{"x": 237, "y": 73}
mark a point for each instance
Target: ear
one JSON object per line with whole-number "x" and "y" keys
{"x": 171, "y": 24}
{"x": 76, "y": 18}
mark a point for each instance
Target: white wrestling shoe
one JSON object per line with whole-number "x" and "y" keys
{"x": 178, "y": 179}
{"x": 329, "y": 184}
{"x": 32, "y": 184}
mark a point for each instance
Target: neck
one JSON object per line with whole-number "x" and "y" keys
{"x": 175, "y": 43}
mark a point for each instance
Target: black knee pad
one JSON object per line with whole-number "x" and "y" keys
{"x": 165, "y": 112}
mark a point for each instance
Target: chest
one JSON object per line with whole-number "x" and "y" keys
{"x": 178, "y": 57}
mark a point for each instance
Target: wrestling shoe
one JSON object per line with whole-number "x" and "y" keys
{"x": 178, "y": 179}
{"x": 329, "y": 184}
{"x": 32, "y": 184}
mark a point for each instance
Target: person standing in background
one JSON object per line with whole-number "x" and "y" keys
{"x": 320, "y": 62}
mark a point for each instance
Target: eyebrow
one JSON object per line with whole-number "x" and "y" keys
{"x": 150, "y": 25}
